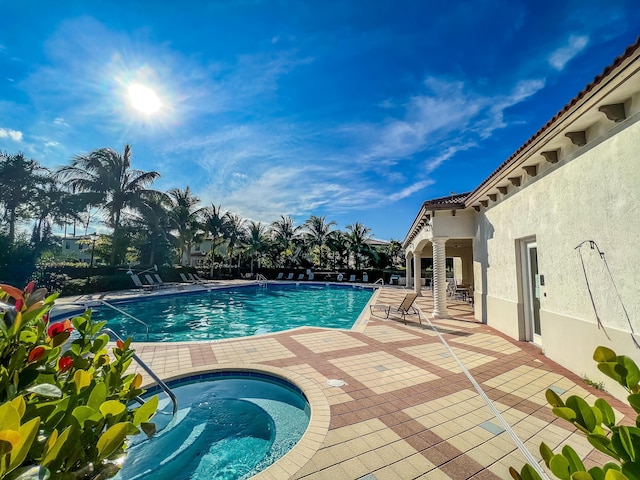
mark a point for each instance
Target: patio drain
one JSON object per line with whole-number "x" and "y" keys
{"x": 336, "y": 383}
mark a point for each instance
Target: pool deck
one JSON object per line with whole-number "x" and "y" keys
{"x": 408, "y": 409}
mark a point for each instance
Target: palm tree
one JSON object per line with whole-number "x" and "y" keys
{"x": 186, "y": 219}
{"x": 114, "y": 185}
{"x": 235, "y": 234}
{"x": 214, "y": 223}
{"x": 317, "y": 233}
{"x": 19, "y": 179}
{"x": 284, "y": 235}
{"x": 395, "y": 253}
{"x": 154, "y": 220}
{"x": 357, "y": 237}
{"x": 338, "y": 244}
{"x": 257, "y": 241}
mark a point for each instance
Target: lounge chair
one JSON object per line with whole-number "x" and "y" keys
{"x": 187, "y": 280}
{"x": 280, "y": 275}
{"x": 405, "y": 308}
{"x": 164, "y": 284}
{"x": 138, "y": 283}
{"x": 199, "y": 279}
{"x": 290, "y": 276}
{"x": 352, "y": 278}
{"x": 310, "y": 275}
{"x": 340, "y": 277}
{"x": 365, "y": 277}
{"x": 301, "y": 276}
{"x": 193, "y": 279}
{"x": 151, "y": 282}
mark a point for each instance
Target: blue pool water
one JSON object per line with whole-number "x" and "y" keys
{"x": 228, "y": 427}
{"x": 238, "y": 312}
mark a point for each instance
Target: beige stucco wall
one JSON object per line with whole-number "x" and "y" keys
{"x": 592, "y": 196}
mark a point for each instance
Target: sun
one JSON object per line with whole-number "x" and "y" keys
{"x": 144, "y": 99}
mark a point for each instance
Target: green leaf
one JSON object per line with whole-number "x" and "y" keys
{"x": 98, "y": 396}
{"x": 581, "y": 476}
{"x": 604, "y": 354}
{"x": 60, "y": 338}
{"x": 631, "y": 470}
{"x": 54, "y": 452}
{"x": 615, "y": 475}
{"x": 575, "y": 464}
{"x": 609, "y": 369}
{"x": 9, "y": 417}
{"x": 553, "y": 398}
{"x": 82, "y": 379}
{"x": 46, "y": 390}
{"x": 33, "y": 472}
{"x": 560, "y": 467}
{"x": 84, "y": 413}
{"x": 146, "y": 411}
{"x": 112, "y": 439}
{"x": 112, "y": 407}
{"x": 149, "y": 429}
{"x": 27, "y": 435}
{"x": 584, "y": 414}
{"x": 546, "y": 453}
{"x": 603, "y": 444}
{"x": 608, "y": 416}
{"x": 633, "y": 374}
{"x": 596, "y": 473}
{"x": 100, "y": 342}
{"x": 627, "y": 444}
{"x": 565, "y": 413}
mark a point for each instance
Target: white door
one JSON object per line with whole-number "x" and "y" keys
{"x": 531, "y": 284}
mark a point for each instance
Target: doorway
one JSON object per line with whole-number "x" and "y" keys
{"x": 531, "y": 292}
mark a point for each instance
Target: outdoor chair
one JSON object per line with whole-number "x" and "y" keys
{"x": 162, "y": 283}
{"x": 290, "y": 276}
{"x": 187, "y": 280}
{"x": 405, "y": 308}
{"x": 301, "y": 276}
{"x": 352, "y": 278}
{"x": 151, "y": 282}
{"x": 365, "y": 277}
{"x": 339, "y": 277}
{"x": 138, "y": 283}
{"x": 310, "y": 275}
{"x": 280, "y": 275}
{"x": 193, "y": 279}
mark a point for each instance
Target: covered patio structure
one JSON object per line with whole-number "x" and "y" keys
{"x": 444, "y": 228}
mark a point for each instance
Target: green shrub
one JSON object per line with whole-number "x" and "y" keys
{"x": 598, "y": 423}
{"x": 63, "y": 403}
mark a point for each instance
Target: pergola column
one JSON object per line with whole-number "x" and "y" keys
{"x": 417, "y": 273}
{"x": 407, "y": 264}
{"x": 439, "y": 278}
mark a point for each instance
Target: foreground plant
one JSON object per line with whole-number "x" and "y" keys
{"x": 63, "y": 404}
{"x": 598, "y": 423}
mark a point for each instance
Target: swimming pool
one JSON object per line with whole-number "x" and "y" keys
{"x": 238, "y": 312}
{"x": 230, "y": 426}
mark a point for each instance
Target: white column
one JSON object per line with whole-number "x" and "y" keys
{"x": 407, "y": 264}
{"x": 439, "y": 278}
{"x": 417, "y": 274}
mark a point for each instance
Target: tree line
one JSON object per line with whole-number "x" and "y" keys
{"x": 148, "y": 226}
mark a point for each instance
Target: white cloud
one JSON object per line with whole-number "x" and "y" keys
{"x": 563, "y": 55}
{"x": 410, "y": 190}
{"x": 14, "y": 135}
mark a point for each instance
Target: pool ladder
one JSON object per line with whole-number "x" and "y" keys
{"x": 113, "y": 335}
{"x": 262, "y": 280}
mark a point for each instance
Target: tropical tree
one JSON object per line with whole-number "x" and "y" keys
{"x": 395, "y": 253}
{"x": 186, "y": 219}
{"x": 317, "y": 234}
{"x": 357, "y": 240}
{"x": 257, "y": 241}
{"x": 214, "y": 224}
{"x": 235, "y": 235}
{"x": 19, "y": 178}
{"x": 338, "y": 243}
{"x": 284, "y": 235}
{"x": 154, "y": 222}
{"x": 112, "y": 184}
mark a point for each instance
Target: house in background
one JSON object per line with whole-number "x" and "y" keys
{"x": 78, "y": 248}
{"x": 550, "y": 241}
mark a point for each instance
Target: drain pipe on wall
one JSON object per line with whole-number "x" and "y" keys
{"x": 531, "y": 460}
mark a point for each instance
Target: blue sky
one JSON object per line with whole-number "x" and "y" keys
{"x": 357, "y": 110}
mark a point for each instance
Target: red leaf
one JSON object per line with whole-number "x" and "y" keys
{"x": 36, "y": 354}
{"x": 65, "y": 364}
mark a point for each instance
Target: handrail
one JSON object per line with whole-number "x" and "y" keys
{"x": 165, "y": 388}
{"x": 103, "y": 302}
{"x": 379, "y": 281}
{"x": 262, "y": 280}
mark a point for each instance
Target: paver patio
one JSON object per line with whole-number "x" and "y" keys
{"x": 407, "y": 410}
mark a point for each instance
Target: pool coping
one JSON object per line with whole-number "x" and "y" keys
{"x": 314, "y": 435}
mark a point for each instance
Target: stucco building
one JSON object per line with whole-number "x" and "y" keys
{"x": 519, "y": 237}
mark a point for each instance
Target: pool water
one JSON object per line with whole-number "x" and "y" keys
{"x": 238, "y": 312}
{"x": 227, "y": 428}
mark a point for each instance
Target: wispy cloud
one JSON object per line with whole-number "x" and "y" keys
{"x": 563, "y": 55}
{"x": 14, "y": 135}
{"x": 410, "y": 190}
